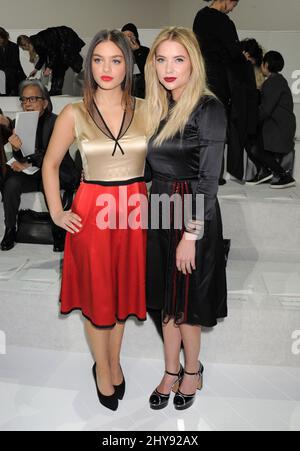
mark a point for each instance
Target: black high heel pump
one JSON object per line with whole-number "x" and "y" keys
{"x": 110, "y": 402}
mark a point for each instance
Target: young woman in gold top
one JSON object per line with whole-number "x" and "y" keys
{"x": 104, "y": 261}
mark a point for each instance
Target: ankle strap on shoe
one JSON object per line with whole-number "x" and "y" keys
{"x": 191, "y": 374}
{"x": 199, "y": 372}
{"x": 174, "y": 374}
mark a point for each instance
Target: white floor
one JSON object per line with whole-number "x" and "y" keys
{"x": 50, "y": 387}
{"x": 52, "y": 390}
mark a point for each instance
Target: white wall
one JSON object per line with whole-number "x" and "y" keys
{"x": 89, "y": 16}
{"x": 86, "y": 17}
{"x": 248, "y": 15}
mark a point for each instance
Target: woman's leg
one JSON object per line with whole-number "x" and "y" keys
{"x": 115, "y": 343}
{"x": 191, "y": 336}
{"x": 99, "y": 341}
{"x": 172, "y": 346}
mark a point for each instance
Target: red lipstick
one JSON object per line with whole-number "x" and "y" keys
{"x": 170, "y": 79}
{"x": 106, "y": 78}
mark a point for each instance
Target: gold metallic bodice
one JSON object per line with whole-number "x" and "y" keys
{"x": 102, "y": 159}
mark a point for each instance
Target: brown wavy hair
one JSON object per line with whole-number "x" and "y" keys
{"x": 90, "y": 85}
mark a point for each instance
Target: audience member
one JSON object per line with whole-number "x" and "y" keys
{"x": 58, "y": 49}
{"x": 277, "y": 124}
{"x": 140, "y": 54}
{"x": 10, "y": 63}
{"x": 34, "y": 97}
{"x": 253, "y": 52}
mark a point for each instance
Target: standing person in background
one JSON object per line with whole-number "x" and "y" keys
{"x": 225, "y": 67}
{"x": 140, "y": 55}
{"x": 58, "y": 49}
{"x": 104, "y": 263}
{"x": 10, "y": 63}
{"x": 186, "y": 277}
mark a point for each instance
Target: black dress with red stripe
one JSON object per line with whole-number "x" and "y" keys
{"x": 189, "y": 163}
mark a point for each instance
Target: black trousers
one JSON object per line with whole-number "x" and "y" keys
{"x": 58, "y": 78}
{"x": 263, "y": 159}
{"x": 16, "y": 184}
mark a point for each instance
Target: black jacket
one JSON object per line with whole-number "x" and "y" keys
{"x": 11, "y": 66}
{"x": 219, "y": 43}
{"x": 276, "y": 115}
{"x": 58, "y": 46}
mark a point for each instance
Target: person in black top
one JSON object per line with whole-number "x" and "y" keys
{"x": 186, "y": 277}
{"x": 34, "y": 97}
{"x": 140, "y": 55}
{"x": 219, "y": 44}
{"x": 227, "y": 75}
{"x": 58, "y": 49}
{"x": 10, "y": 63}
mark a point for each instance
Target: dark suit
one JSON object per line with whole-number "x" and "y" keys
{"x": 11, "y": 66}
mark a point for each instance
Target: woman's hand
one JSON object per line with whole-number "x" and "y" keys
{"x": 186, "y": 253}
{"x": 47, "y": 72}
{"x": 68, "y": 220}
{"x": 15, "y": 142}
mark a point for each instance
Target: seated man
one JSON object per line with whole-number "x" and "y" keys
{"x": 34, "y": 97}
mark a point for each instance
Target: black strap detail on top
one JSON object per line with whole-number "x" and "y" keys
{"x": 115, "y": 182}
{"x": 124, "y": 127}
{"x": 117, "y": 144}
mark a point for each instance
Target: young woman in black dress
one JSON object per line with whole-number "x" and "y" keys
{"x": 185, "y": 268}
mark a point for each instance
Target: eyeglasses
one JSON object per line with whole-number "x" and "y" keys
{"x": 31, "y": 99}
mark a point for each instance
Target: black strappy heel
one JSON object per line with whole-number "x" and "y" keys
{"x": 159, "y": 400}
{"x": 183, "y": 401}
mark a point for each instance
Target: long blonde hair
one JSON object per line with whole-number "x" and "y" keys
{"x": 157, "y": 97}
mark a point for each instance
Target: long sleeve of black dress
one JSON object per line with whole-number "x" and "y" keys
{"x": 211, "y": 122}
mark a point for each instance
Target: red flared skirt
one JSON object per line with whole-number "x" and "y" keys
{"x": 104, "y": 263}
